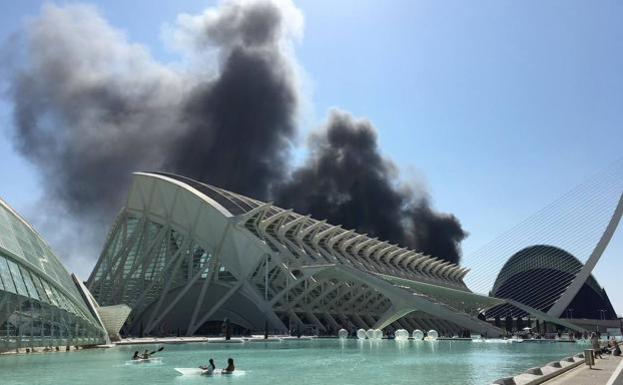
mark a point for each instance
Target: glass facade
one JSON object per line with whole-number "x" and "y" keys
{"x": 40, "y": 305}
{"x": 143, "y": 261}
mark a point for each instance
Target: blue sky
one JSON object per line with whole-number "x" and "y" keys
{"x": 500, "y": 106}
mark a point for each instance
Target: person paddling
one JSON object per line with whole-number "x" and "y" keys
{"x": 136, "y": 356}
{"x": 147, "y": 354}
{"x": 208, "y": 369}
{"x": 230, "y": 367}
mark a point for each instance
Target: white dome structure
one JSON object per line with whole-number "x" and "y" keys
{"x": 342, "y": 334}
{"x": 361, "y": 334}
{"x": 432, "y": 335}
{"x": 418, "y": 335}
{"x": 401, "y": 335}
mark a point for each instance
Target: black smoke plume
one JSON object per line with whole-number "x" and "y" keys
{"x": 90, "y": 107}
{"x": 347, "y": 181}
{"x": 238, "y": 128}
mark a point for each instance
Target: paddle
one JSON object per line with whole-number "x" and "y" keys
{"x": 156, "y": 351}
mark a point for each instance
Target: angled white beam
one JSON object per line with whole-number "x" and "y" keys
{"x": 463, "y": 273}
{"x": 362, "y": 244}
{"x": 325, "y": 233}
{"x": 382, "y": 251}
{"x": 283, "y": 229}
{"x": 428, "y": 267}
{"x": 369, "y": 249}
{"x": 308, "y": 289}
{"x": 343, "y": 246}
{"x": 333, "y": 287}
{"x": 263, "y": 225}
{"x": 435, "y": 270}
{"x": 423, "y": 264}
{"x": 453, "y": 272}
{"x": 390, "y": 256}
{"x": 307, "y": 230}
{"x": 243, "y": 218}
{"x": 445, "y": 270}
{"x": 577, "y": 283}
{"x": 403, "y": 260}
{"x": 338, "y": 237}
{"x": 421, "y": 258}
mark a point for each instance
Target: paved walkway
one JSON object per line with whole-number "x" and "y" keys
{"x": 583, "y": 375}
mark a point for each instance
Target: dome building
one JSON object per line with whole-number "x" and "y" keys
{"x": 537, "y": 276}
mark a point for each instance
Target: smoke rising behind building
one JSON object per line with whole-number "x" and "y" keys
{"x": 91, "y": 107}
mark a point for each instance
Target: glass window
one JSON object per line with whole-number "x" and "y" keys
{"x": 48, "y": 291}
{"x": 17, "y": 279}
{"x": 29, "y": 285}
{"x": 59, "y": 298}
{"x": 6, "y": 276}
{"x": 42, "y": 294}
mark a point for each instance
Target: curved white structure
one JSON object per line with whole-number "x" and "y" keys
{"x": 432, "y": 335}
{"x": 342, "y": 334}
{"x": 185, "y": 255}
{"x": 401, "y": 335}
{"x": 581, "y": 277}
{"x": 418, "y": 335}
{"x": 361, "y": 334}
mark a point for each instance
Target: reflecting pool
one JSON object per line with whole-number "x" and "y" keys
{"x": 321, "y": 361}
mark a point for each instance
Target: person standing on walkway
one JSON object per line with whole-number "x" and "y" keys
{"x": 595, "y": 345}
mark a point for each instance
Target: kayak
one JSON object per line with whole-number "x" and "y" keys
{"x": 145, "y": 360}
{"x": 199, "y": 371}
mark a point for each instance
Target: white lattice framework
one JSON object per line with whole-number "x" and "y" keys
{"x": 182, "y": 254}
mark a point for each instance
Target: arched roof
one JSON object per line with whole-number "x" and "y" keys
{"x": 539, "y": 258}
{"x": 313, "y": 235}
{"x": 234, "y": 203}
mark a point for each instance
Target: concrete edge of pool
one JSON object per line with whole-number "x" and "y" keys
{"x": 569, "y": 370}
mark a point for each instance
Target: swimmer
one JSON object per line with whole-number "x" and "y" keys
{"x": 208, "y": 369}
{"x": 230, "y": 367}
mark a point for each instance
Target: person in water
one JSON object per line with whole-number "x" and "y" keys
{"x": 145, "y": 355}
{"x": 135, "y": 356}
{"x": 208, "y": 369}
{"x": 230, "y": 367}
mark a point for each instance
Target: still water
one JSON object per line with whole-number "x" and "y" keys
{"x": 322, "y": 361}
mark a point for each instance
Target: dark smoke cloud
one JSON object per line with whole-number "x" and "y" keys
{"x": 238, "y": 128}
{"x": 347, "y": 181}
{"x": 91, "y": 107}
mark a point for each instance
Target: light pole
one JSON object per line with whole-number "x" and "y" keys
{"x": 570, "y": 313}
{"x": 602, "y": 314}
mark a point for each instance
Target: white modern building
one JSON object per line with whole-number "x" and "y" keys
{"x": 185, "y": 255}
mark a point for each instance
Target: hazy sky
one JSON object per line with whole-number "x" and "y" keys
{"x": 500, "y": 106}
